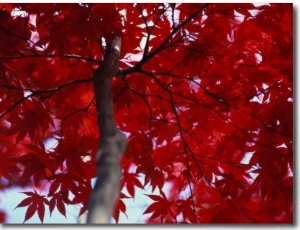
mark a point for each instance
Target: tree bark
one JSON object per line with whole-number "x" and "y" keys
{"x": 113, "y": 143}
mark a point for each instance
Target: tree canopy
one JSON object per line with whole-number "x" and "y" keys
{"x": 203, "y": 93}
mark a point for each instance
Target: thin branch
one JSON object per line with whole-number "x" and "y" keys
{"x": 34, "y": 93}
{"x": 162, "y": 45}
{"x": 35, "y": 55}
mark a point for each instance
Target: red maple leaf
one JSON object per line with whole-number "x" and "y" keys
{"x": 35, "y": 203}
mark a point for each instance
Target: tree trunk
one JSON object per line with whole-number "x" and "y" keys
{"x": 113, "y": 143}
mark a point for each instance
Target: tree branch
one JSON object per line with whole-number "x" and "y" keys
{"x": 147, "y": 57}
{"x": 40, "y": 92}
{"x": 113, "y": 143}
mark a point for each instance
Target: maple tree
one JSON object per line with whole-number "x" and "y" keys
{"x": 203, "y": 93}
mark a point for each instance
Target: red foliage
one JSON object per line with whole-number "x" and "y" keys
{"x": 206, "y": 102}
{"x": 35, "y": 203}
{"x": 3, "y": 217}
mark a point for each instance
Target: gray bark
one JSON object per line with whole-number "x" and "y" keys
{"x": 113, "y": 143}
